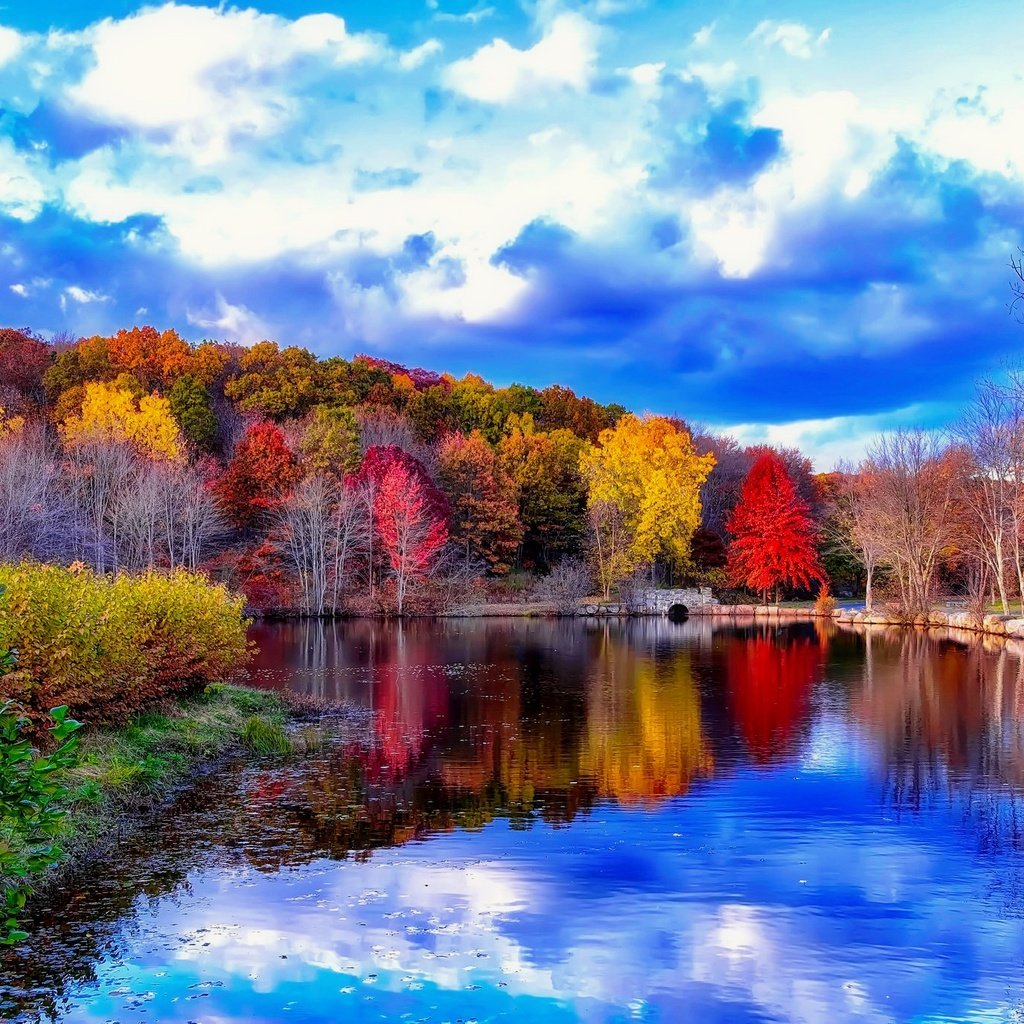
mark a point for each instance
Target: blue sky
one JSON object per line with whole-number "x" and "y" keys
{"x": 792, "y": 220}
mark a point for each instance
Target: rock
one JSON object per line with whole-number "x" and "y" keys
{"x": 1014, "y": 627}
{"x": 996, "y": 624}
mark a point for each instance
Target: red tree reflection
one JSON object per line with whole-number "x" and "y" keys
{"x": 770, "y": 682}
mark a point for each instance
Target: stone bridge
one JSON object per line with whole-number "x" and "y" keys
{"x": 654, "y": 601}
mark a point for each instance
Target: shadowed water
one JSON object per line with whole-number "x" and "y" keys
{"x": 563, "y": 821}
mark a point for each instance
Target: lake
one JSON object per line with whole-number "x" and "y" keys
{"x": 565, "y": 820}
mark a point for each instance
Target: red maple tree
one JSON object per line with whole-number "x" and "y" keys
{"x": 410, "y": 517}
{"x": 259, "y": 477}
{"x": 774, "y": 537}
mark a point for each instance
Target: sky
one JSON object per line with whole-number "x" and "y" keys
{"x": 791, "y": 220}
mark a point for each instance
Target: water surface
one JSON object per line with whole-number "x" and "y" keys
{"x": 572, "y": 821}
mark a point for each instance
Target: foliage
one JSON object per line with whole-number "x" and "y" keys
{"x": 410, "y": 517}
{"x": 190, "y": 405}
{"x": 330, "y": 442}
{"x": 155, "y": 359}
{"x": 32, "y": 805}
{"x": 259, "y": 477}
{"x": 774, "y": 538}
{"x": 23, "y": 361}
{"x": 10, "y": 424}
{"x": 644, "y": 480}
{"x": 552, "y": 492}
{"x": 273, "y": 381}
{"x": 107, "y": 646}
{"x": 110, "y": 412}
{"x": 483, "y": 500}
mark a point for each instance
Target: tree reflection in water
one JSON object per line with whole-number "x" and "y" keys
{"x": 541, "y": 722}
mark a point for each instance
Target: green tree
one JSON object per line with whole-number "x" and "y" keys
{"x": 552, "y": 492}
{"x": 191, "y": 407}
{"x": 331, "y": 441}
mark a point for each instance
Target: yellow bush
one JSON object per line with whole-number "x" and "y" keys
{"x": 108, "y": 646}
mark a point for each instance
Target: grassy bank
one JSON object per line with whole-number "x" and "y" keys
{"x": 115, "y": 775}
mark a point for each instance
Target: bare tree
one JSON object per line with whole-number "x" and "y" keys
{"x": 912, "y": 483}
{"x": 98, "y": 470}
{"x": 36, "y": 517}
{"x": 854, "y": 528}
{"x": 306, "y": 525}
{"x": 567, "y": 585}
{"x": 324, "y": 527}
{"x": 991, "y": 431}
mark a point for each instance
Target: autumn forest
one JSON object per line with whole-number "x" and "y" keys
{"x": 331, "y": 485}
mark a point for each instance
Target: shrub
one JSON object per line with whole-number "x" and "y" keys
{"x": 109, "y": 646}
{"x": 32, "y": 811}
{"x": 825, "y": 603}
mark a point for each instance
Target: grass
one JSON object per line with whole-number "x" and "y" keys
{"x": 124, "y": 770}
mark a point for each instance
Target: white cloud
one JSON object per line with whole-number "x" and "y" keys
{"x": 22, "y": 193}
{"x": 830, "y": 441}
{"x": 791, "y": 37}
{"x": 703, "y": 35}
{"x": 206, "y": 73}
{"x": 233, "y": 323}
{"x": 564, "y": 57}
{"x": 11, "y": 43}
{"x": 412, "y": 59}
{"x": 473, "y": 17}
{"x": 20, "y": 289}
{"x": 81, "y": 296}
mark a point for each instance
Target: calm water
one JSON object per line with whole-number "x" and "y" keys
{"x": 556, "y": 821}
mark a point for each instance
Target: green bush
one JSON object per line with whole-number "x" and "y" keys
{"x": 109, "y": 646}
{"x": 32, "y": 807}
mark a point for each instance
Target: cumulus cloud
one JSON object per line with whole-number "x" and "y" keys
{"x": 791, "y": 37}
{"x": 724, "y": 239}
{"x": 205, "y": 73}
{"x": 564, "y": 57}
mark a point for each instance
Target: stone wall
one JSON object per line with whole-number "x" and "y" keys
{"x": 657, "y": 602}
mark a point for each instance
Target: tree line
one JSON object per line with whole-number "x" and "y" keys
{"x": 363, "y": 485}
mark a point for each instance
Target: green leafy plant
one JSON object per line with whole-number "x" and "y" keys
{"x": 33, "y": 799}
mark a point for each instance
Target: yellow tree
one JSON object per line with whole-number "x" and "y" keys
{"x": 643, "y": 490}
{"x": 111, "y": 412}
{"x": 10, "y": 424}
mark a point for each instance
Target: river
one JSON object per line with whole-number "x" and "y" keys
{"x": 563, "y": 820}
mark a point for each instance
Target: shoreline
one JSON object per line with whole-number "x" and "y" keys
{"x": 131, "y": 772}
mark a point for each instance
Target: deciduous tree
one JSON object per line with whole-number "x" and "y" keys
{"x": 774, "y": 538}
{"x": 111, "y": 412}
{"x": 410, "y": 521}
{"x": 483, "y": 501}
{"x": 259, "y": 477}
{"x": 649, "y": 471}
{"x": 192, "y": 409}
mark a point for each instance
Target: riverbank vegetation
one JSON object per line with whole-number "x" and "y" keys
{"x": 110, "y": 646}
{"x": 81, "y": 789}
{"x": 363, "y": 486}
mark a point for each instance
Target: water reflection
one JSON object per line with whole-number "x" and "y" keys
{"x": 562, "y": 821}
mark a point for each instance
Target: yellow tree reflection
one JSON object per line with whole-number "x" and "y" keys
{"x": 643, "y": 740}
